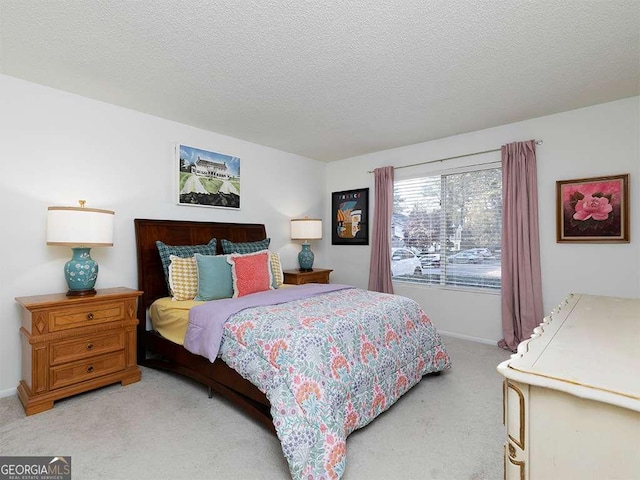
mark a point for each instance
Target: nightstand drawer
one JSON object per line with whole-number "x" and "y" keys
{"x": 314, "y": 279}
{"x": 297, "y": 277}
{"x": 84, "y": 315}
{"x": 83, "y": 347}
{"x": 76, "y": 372}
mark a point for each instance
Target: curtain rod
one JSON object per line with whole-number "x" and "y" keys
{"x": 538, "y": 142}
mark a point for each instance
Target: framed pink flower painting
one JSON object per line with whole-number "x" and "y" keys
{"x": 593, "y": 210}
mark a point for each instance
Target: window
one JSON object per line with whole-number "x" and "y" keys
{"x": 452, "y": 224}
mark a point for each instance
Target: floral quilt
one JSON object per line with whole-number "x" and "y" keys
{"x": 329, "y": 364}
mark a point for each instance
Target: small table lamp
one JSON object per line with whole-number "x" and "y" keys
{"x": 306, "y": 229}
{"x": 80, "y": 228}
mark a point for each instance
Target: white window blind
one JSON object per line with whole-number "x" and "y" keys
{"x": 451, "y": 224}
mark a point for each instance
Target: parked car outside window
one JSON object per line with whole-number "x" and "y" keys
{"x": 465, "y": 257}
{"x": 481, "y": 252}
{"x": 430, "y": 260}
{"x": 405, "y": 262}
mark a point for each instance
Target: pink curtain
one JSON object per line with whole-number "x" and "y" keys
{"x": 521, "y": 277}
{"x": 380, "y": 267}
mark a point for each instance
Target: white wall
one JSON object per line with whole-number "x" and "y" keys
{"x": 599, "y": 140}
{"x": 57, "y": 148}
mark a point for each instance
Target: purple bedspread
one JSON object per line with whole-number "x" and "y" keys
{"x": 206, "y": 321}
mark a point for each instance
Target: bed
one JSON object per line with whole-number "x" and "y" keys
{"x": 312, "y": 411}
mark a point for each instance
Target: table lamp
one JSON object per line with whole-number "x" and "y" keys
{"x": 306, "y": 229}
{"x": 80, "y": 228}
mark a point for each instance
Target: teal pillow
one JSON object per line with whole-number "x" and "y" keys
{"x": 244, "y": 247}
{"x": 183, "y": 251}
{"x": 214, "y": 277}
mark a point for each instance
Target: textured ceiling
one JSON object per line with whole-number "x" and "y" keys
{"x": 330, "y": 79}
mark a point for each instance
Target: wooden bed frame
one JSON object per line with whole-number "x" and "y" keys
{"x": 153, "y": 350}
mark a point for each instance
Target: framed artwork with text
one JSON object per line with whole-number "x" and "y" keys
{"x": 350, "y": 217}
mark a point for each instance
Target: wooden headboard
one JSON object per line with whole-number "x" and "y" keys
{"x": 179, "y": 232}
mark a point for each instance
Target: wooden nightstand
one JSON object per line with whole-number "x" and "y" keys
{"x": 74, "y": 344}
{"x": 317, "y": 275}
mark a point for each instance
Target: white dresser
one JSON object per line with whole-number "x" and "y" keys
{"x": 572, "y": 394}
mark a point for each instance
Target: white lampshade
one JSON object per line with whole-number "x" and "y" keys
{"x": 79, "y": 226}
{"x": 306, "y": 229}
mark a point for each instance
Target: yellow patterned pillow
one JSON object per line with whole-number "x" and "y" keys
{"x": 183, "y": 278}
{"x": 276, "y": 269}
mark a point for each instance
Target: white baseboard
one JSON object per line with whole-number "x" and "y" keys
{"x": 8, "y": 393}
{"x": 467, "y": 337}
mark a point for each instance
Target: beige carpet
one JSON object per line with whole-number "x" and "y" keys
{"x": 165, "y": 427}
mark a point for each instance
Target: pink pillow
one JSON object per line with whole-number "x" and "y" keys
{"x": 251, "y": 273}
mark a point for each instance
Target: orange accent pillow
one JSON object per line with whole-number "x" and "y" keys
{"x": 251, "y": 273}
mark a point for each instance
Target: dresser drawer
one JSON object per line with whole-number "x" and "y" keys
{"x": 514, "y": 469}
{"x": 86, "y": 315}
{"x": 86, "y": 346}
{"x": 76, "y": 372}
{"x": 515, "y": 413}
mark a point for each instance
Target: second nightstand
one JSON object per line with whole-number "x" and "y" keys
{"x": 317, "y": 275}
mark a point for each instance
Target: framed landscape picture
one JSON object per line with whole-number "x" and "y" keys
{"x": 593, "y": 210}
{"x": 350, "y": 217}
{"x": 207, "y": 179}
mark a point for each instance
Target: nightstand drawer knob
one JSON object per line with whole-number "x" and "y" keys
{"x": 89, "y": 346}
{"x": 89, "y": 316}
{"x": 90, "y": 369}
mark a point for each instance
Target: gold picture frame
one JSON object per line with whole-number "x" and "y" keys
{"x": 594, "y": 210}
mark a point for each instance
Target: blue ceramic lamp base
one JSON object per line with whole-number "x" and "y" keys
{"x": 305, "y": 258}
{"x": 81, "y": 272}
